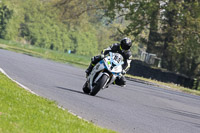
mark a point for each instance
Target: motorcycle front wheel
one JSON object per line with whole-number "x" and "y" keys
{"x": 100, "y": 83}
{"x": 86, "y": 90}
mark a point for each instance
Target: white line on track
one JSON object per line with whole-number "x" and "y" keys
{"x": 26, "y": 88}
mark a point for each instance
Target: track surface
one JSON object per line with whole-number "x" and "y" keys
{"x": 137, "y": 108}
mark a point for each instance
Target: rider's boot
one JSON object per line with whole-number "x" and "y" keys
{"x": 89, "y": 69}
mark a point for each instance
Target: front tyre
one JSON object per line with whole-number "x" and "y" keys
{"x": 100, "y": 83}
{"x": 86, "y": 90}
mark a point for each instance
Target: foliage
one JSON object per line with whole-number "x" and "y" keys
{"x": 183, "y": 24}
{"x": 173, "y": 30}
{"x": 5, "y": 15}
{"x": 62, "y": 25}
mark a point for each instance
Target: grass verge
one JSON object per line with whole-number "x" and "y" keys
{"x": 167, "y": 85}
{"x": 23, "y": 112}
{"x": 82, "y": 61}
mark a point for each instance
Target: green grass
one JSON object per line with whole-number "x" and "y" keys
{"x": 79, "y": 60}
{"x": 23, "y": 112}
{"x": 171, "y": 86}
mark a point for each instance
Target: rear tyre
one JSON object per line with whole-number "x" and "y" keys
{"x": 100, "y": 83}
{"x": 86, "y": 90}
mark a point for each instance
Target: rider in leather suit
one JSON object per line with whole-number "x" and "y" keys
{"x": 124, "y": 49}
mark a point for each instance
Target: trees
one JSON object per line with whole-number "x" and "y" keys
{"x": 181, "y": 44}
{"x": 73, "y": 10}
{"x": 5, "y": 15}
{"x": 188, "y": 38}
{"x": 173, "y": 30}
{"x": 56, "y": 24}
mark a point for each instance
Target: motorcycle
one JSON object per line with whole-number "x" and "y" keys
{"x": 104, "y": 73}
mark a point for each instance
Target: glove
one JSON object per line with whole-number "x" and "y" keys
{"x": 123, "y": 72}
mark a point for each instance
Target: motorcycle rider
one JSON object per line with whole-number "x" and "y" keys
{"x": 122, "y": 48}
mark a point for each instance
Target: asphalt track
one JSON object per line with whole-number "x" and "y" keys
{"x": 137, "y": 108}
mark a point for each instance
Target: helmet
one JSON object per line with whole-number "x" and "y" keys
{"x": 126, "y": 43}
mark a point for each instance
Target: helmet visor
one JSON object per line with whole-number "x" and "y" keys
{"x": 125, "y": 47}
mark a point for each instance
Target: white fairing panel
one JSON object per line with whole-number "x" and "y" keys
{"x": 110, "y": 65}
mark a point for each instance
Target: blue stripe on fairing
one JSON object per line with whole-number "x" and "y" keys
{"x": 115, "y": 73}
{"x": 102, "y": 62}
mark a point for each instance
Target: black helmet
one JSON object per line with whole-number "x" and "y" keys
{"x": 126, "y": 43}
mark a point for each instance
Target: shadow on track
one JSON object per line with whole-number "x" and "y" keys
{"x": 80, "y": 92}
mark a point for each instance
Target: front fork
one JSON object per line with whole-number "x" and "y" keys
{"x": 98, "y": 77}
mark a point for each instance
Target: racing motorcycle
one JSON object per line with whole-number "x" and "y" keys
{"x": 104, "y": 73}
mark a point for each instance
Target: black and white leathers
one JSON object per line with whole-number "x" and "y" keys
{"x": 116, "y": 48}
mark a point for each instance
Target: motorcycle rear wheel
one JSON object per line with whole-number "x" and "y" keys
{"x": 100, "y": 83}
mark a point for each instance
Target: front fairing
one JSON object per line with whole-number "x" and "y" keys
{"x": 109, "y": 66}
{"x": 112, "y": 65}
